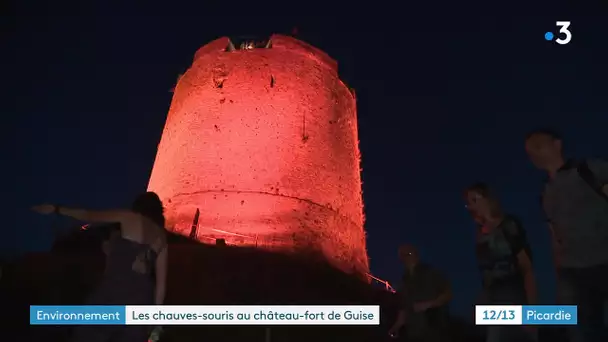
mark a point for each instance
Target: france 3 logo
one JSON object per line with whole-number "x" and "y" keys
{"x": 564, "y": 35}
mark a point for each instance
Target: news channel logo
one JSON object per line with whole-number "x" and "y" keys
{"x": 563, "y": 36}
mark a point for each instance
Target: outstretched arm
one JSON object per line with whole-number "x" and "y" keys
{"x": 118, "y": 216}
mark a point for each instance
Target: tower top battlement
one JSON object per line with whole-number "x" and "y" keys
{"x": 276, "y": 41}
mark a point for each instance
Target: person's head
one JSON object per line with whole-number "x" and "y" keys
{"x": 409, "y": 255}
{"x": 544, "y": 147}
{"x": 149, "y": 205}
{"x": 482, "y": 203}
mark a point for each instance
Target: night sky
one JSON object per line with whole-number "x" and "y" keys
{"x": 445, "y": 98}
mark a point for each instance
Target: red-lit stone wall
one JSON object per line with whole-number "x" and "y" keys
{"x": 264, "y": 142}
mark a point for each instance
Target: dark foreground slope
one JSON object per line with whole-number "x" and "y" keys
{"x": 199, "y": 275}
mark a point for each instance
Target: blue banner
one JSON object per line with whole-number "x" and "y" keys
{"x": 77, "y": 315}
{"x": 549, "y": 315}
{"x": 161, "y": 315}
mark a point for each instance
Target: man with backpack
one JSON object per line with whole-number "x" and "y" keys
{"x": 575, "y": 201}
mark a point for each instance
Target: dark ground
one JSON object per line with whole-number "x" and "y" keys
{"x": 199, "y": 275}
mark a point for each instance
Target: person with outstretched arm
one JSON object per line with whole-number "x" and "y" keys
{"x": 136, "y": 264}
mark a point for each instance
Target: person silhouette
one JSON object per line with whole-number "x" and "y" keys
{"x": 424, "y": 295}
{"x": 136, "y": 264}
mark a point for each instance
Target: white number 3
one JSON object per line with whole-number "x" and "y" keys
{"x": 563, "y": 25}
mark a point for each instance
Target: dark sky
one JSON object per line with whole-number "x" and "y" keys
{"x": 445, "y": 96}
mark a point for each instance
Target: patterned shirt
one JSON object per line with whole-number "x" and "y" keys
{"x": 497, "y": 252}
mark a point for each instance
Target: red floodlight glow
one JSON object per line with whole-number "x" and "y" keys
{"x": 264, "y": 142}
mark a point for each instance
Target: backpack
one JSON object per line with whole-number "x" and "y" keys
{"x": 587, "y": 175}
{"x": 583, "y": 170}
